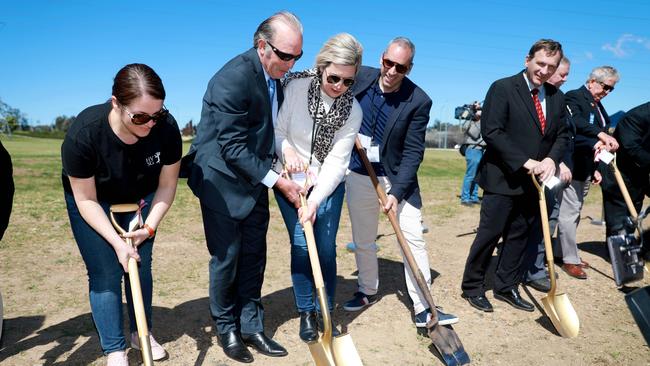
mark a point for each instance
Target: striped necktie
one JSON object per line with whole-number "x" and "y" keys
{"x": 538, "y": 107}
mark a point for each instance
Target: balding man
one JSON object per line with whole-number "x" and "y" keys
{"x": 231, "y": 175}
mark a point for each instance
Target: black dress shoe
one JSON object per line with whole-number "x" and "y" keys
{"x": 264, "y": 344}
{"x": 513, "y": 298}
{"x": 541, "y": 284}
{"x": 479, "y": 302}
{"x": 234, "y": 347}
{"x": 308, "y": 328}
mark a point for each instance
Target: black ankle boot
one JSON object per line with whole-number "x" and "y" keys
{"x": 321, "y": 326}
{"x": 308, "y": 327}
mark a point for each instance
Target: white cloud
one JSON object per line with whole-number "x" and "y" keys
{"x": 622, "y": 49}
{"x": 589, "y": 55}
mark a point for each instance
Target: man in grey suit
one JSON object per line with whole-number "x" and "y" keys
{"x": 231, "y": 173}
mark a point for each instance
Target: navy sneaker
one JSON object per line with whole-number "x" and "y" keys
{"x": 421, "y": 319}
{"x": 359, "y": 301}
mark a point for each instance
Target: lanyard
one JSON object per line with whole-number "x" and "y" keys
{"x": 374, "y": 110}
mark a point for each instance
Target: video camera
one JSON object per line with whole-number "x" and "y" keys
{"x": 467, "y": 111}
{"x": 627, "y": 251}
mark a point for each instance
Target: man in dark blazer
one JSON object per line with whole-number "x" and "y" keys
{"x": 395, "y": 117}
{"x": 633, "y": 161}
{"x": 7, "y": 194}
{"x": 525, "y": 131}
{"x": 592, "y": 123}
{"x": 537, "y": 274}
{"x": 231, "y": 173}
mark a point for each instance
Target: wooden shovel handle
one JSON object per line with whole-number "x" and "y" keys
{"x": 624, "y": 191}
{"x": 392, "y": 217}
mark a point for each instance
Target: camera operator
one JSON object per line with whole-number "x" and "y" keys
{"x": 473, "y": 146}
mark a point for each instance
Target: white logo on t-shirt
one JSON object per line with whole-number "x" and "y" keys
{"x": 153, "y": 159}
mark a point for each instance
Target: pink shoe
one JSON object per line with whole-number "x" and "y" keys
{"x": 157, "y": 351}
{"x": 117, "y": 358}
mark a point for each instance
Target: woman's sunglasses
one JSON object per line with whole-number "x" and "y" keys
{"x": 284, "y": 56}
{"x": 335, "y": 79}
{"x": 142, "y": 118}
{"x": 398, "y": 67}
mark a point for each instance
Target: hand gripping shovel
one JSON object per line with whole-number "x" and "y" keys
{"x": 557, "y": 306}
{"x": 134, "y": 279}
{"x": 326, "y": 350}
{"x": 444, "y": 339}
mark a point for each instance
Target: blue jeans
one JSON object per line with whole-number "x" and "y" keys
{"x": 469, "y": 191}
{"x": 325, "y": 229}
{"x": 105, "y": 276}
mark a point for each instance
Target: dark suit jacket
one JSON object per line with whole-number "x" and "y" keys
{"x": 7, "y": 191}
{"x": 234, "y": 142}
{"x": 588, "y": 125}
{"x": 402, "y": 148}
{"x": 633, "y": 155}
{"x": 512, "y": 131}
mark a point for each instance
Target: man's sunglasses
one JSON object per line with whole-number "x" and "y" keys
{"x": 142, "y": 118}
{"x": 398, "y": 67}
{"x": 284, "y": 56}
{"x": 335, "y": 79}
{"x": 606, "y": 87}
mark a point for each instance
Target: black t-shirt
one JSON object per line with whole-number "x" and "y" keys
{"x": 123, "y": 173}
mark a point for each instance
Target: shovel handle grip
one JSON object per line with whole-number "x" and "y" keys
{"x": 548, "y": 246}
{"x": 392, "y": 217}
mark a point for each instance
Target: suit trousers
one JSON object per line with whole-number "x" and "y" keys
{"x": 238, "y": 250}
{"x": 572, "y": 202}
{"x": 364, "y": 208}
{"x": 537, "y": 254}
{"x": 516, "y": 219}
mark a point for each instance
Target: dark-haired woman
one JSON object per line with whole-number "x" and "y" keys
{"x": 126, "y": 150}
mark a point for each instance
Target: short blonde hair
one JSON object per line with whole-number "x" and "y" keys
{"x": 341, "y": 49}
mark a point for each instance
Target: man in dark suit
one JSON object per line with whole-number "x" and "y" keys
{"x": 231, "y": 173}
{"x": 592, "y": 123}
{"x": 526, "y": 133}
{"x": 633, "y": 161}
{"x": 7, "y": 196}
{"x": 537, "y": 275}
{"x": 395, "y": 117}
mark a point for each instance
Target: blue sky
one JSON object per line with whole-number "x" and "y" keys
{"x": 61, "y": 56}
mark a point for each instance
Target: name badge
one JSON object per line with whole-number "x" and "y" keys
{"x": 591, "y": 118}
{"x": 365, "y": 141}
{"x": 373, "y": 154}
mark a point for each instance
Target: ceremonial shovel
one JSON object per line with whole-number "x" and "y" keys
{"x": 444, "y": 339}
{"x": 557, "y": 306}
{"x": 134, "y": 279}
{"x": 326, "y": 350}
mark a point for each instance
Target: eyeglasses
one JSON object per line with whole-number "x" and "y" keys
{"x": 284, "y": 56}
{"x": 335, "y": 79}
{"x": 398, "y": 67}
{"x": 142, "y": 118}
{"x": 606, "y": 87}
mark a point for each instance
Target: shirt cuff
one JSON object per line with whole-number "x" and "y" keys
{"x": 270, "y": 178}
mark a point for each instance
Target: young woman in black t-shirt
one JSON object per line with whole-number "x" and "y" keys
{"x": 127, "y": 150}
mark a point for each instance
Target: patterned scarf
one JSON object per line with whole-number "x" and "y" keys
{"x": 325, "y": 124}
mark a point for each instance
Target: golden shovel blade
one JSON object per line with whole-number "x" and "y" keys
{"x": 340, "y": 352}
{"x": 344, "y": 351}
{"x": 321, "y": 352}
{"x": 562, "y": 314}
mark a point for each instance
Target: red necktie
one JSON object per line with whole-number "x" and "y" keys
{"x": 538, "y": 107}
